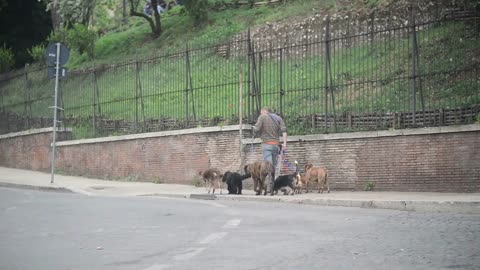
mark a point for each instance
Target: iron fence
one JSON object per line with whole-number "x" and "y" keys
{"x": 339, "y": 74}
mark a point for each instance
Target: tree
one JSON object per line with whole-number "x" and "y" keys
{"x": 70, "y": 12}
{"x": 19, "y": 31}
{"x": 154, "y": 25}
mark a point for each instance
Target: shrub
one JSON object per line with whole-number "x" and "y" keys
{"x": 37, "y": 52}
{"x": 369, "y": 186}
{"x": 80, "y": 38}
{"x": 6, "y": 59}
{"x": 198, "y": 10}
{"x": 56, "y": 36}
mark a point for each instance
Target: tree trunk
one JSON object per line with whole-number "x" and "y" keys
{"x": 55, "y": 16}
{"x": 158, "y": 26}
{"x": 155, "y": 26}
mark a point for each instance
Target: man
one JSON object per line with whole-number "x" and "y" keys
{"x": 270, "y": 126}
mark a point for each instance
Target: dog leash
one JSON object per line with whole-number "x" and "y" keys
{"x": 286, "y": 163}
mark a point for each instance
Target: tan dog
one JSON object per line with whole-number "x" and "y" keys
{"x": 315, "y": 174}
{"x": 212, "y": 178}
{"x": 259, "y": 171}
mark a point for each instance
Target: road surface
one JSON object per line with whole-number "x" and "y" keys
{"x": 49, "y": 230}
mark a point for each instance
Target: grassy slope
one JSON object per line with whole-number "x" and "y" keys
{"x": 357, "y": 65}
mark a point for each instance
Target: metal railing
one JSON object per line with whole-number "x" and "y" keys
{"x": 333, "y": 76}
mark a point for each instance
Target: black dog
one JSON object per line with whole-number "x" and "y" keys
{"x": 234, "y": 181}
{"x": 285, "y": 181}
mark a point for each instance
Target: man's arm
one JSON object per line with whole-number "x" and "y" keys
{"x": 284, "y": 146}
{"x": 258, "y": 126}
{"x": 283, "y": 128}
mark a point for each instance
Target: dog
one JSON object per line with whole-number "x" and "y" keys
{"x": 259, "y": 171}
{"x": 234, "y": 181}
{"x": 212, "y": 178}
{"x": 316, "y": 174}
{"x": 299, "y": 183}
{"x": 285, "y": 182}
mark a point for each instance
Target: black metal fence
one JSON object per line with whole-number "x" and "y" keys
{"x": 333, "y": 75}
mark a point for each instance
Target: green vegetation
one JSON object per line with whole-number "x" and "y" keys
{"x": 37, "y": 53}
{"x": 6, "y": 59}
{"x": 368, "y": 77}
{"x": 369, "y": 186}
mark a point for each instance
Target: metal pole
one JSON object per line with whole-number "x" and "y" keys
{"x": 186, "y": 86}
{"x": 414, "y": 71}
{"x": 94, "y": 101}
{"x": 57, "y": 73}
{"x": 327, "y": 37}
{"x": 281, "y": 81}
{"x": 240, "y": 110}
{"x": 26, "y": 98}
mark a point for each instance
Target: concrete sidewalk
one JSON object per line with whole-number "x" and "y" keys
{"x": 466, "y": 203}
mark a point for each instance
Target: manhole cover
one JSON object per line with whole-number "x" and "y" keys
{"x": 99, "y": 187}
{"x": 203, "y": 196}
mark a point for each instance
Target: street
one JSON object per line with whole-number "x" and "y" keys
{"x": 52, "y": 230}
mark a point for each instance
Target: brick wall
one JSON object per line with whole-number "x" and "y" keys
{"x": 435, "y": 159}
{"x": 443, "y": 159}
{"x": 171, "y": 157}
{"x": 29, "y": 149}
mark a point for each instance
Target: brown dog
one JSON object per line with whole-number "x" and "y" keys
{"x": 212, "y": 178}
{"x": 259, "y": 171}
{"x": 315, "y": 174}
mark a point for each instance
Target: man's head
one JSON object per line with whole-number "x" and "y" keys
{"x": 265, "y": 110}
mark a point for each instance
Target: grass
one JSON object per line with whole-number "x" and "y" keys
{"x": 215, "y": 79}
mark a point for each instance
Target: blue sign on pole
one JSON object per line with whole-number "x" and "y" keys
{"x": 52, "y": 54}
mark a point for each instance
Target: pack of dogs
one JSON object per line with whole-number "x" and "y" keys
{"x": 261, "y": 172}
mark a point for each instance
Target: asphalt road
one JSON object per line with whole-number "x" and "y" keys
{"x": 47, "y": 230}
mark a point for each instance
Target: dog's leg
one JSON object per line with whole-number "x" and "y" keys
{"x": 326, "y": 181}
{"x": 292, "y": 189}
{"x": 320, "y": 185}
{"x": 240, "y": 186}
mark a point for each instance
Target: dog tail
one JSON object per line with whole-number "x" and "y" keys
{"x": 296, "y": 167}
{"x": 245, "y": 176}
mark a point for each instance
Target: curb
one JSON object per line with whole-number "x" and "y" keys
{"x": 178, "y": 196}
{"x": 38, "y": 188}
{"x": 457, "y": 207}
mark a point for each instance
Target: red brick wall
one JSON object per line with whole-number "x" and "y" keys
{"x": 166, "y": 159}
{"x": 29, "y": 151}
{"x": 444, "y": 162}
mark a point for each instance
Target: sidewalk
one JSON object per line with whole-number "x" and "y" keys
{"x": 467, "y": 203}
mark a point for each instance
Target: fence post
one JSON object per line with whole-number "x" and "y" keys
{"x": 414, "y": 71}
{"x": 417, "y": 68}
{"x": 136, "y": 94}
{"x": 94, "y": 101}
{"x": 327, "y": 40}
{"x": 249, "y": 88}
{"x": 259, "y": 88}
{"x": 255, "y": 100}
{"x": 140, "y": 92}
{"x": 186, "y": 86}
{"x": 190, "y": 86}
{"x": 281, "y": 81}
{"x": 27, "y": 98}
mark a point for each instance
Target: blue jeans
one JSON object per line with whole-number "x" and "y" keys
{"x": 270, "y": 153}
